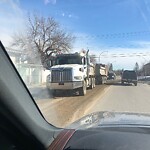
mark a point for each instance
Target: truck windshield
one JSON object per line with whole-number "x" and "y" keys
{"x": 68, "y": 60}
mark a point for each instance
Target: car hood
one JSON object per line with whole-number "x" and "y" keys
{"x": 99, "y": 119}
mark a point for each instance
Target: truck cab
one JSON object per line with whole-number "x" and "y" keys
{"x": 71, "y": 72}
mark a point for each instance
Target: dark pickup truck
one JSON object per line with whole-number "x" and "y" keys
{"x": 129, "y": 76}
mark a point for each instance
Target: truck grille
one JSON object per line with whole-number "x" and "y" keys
{"x": 62, "y": 75}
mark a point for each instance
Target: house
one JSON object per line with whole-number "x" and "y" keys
{"x": 146, "y": 69}
{"x": 15, "y": 55}
{"x": 32, "y": 74}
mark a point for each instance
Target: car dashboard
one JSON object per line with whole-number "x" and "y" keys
{"x": 105, "y": 138}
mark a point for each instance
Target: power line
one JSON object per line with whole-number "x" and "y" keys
{"x": 116, "y": 35}
{"x": 124, "y": 55}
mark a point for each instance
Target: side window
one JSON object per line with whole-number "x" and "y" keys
{"x": 84, "y": 60}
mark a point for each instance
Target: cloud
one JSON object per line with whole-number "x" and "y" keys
{"x": 126, "y": 57}
{"x": 121, "y": 57}
{"x": 69, "y": 15}
{"x": 142, "y": 44}
{"x": 11, "y": 20}
{"x": 143, "y": 12}
{"x": 49, "y": 1}
{"x": 87, "y": 41}
{"x": 73, "y": 16}
{"x": 63, "y": 14}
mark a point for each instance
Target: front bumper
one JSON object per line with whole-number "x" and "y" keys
{"x": 65, "y": 85}
{"x": 129, "y": 81}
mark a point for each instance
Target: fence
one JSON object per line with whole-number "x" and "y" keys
{"x": 32, "y": 74}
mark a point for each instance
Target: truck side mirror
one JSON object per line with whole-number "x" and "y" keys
{"x": 83, "y": 61}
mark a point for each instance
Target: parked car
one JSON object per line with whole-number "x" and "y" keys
{"x": 129, "y": 76}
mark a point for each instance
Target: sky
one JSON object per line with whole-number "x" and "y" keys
{"x": 116, "y": 31}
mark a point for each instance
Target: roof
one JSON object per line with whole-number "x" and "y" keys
{"x": 15, "y": 52}
{"x": 148, "y": 64}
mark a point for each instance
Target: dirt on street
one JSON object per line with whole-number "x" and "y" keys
{"x": 63, "y": 110}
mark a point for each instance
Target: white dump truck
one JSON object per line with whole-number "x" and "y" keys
{"x": 101, "y": 73}
{"x": 74, "y": 72}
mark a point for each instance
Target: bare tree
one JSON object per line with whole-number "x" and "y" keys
{"x": 136, "y": 67}
{"x": 43, "y": 37}
{"x": 110, "y": 67}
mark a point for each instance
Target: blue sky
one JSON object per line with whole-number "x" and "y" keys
{"x": 121, "y": 28}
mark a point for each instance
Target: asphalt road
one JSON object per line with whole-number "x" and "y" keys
{"x": 127, "y": 98}
{"x": 66, "y": 108}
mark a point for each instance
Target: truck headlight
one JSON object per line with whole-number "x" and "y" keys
{"x": 77, "y": 77}
{"x": 81, "y": 69}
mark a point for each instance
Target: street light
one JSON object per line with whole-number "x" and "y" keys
{"x": 144, "y": 58}
{"x": 101, "y": 54}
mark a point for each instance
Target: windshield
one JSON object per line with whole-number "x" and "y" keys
{"x": 68, "y": 60}
{"x": 129, "y": 74}
{"x": 111, "y": 37}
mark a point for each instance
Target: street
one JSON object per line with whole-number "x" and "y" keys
{"x": 127, "y": 98}
{"x": 65, "y": 109}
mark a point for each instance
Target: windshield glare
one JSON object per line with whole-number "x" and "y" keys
{"x": 99, "y": 39}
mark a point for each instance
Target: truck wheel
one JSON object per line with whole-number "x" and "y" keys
{"x": 93, "y": 82}
{"x": 135, "y": 83}
{"x": 82, "y": 90}
{"x": 98, "y": 80}
{"x": 91, "y": 86}
{"x": 105, "y": 80}
{"x": 102, "y": 82}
